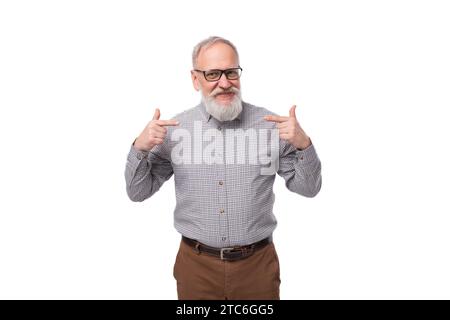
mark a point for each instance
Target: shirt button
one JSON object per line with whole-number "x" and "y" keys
{"x": 224, "y": 238}
{"x": 301, "y": 158}
{"x": 222, "y": 211}
{"x": 219, "y": 128}
{"x": 220, "y": 183}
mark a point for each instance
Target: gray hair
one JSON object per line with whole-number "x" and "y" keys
{"x": 207, "y": 43}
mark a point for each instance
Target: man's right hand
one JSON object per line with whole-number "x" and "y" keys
{"x": 154, "y": 133}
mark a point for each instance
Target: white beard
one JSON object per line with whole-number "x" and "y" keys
{"x": 223, "y": 112}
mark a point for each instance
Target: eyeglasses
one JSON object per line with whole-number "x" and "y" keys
{"x": 215, "y": 74}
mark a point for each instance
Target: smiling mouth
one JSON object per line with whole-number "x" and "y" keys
{"x": 225, "y": 94}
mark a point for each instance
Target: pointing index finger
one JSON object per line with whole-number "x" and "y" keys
{"x": 167, "y": 122}
{"x": 276, "y": 118}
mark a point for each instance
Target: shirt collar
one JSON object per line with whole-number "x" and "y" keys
{"x": 207, "y": 116}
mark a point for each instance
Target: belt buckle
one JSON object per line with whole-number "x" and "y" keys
{"x": 222, "y": 251}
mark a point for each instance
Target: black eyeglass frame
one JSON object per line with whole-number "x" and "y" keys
{"x": 221, "y": 72}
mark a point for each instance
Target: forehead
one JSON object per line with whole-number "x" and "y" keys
{"x": 217, "y": 56}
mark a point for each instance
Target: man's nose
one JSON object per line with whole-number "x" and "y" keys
{"x": 224, "y": 82}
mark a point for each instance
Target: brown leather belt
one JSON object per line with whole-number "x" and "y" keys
{"x": 229, "y": 254}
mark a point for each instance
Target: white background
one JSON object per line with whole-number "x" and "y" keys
{"x": 79, "y": 80}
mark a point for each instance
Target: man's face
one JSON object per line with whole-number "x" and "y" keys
{"x": 217, "y": 56}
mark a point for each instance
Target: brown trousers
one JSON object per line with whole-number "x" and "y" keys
{"x": 201, "y": 276}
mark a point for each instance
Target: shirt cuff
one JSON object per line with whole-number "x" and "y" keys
{"x": 136, "y": 155}
{"x": 307, "y": 155}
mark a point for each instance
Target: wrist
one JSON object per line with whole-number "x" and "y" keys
{"x": 303, "y": 144}
{"x": 140, "y": 148}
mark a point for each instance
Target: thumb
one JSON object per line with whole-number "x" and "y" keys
{"x": 292, "y": 111}
{"x": 156, "y": 115}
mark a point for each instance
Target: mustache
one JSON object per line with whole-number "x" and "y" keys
{"x": 218, "y": 90}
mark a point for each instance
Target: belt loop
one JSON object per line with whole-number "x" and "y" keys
{"x": 197, "y": 250}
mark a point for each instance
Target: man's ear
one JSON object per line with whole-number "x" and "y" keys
{"x": 195, "y": 80}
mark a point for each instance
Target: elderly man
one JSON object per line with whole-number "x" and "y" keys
{"x": 224, "y": 198}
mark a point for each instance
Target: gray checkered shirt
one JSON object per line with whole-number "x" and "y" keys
{"x": 221, "y": 203}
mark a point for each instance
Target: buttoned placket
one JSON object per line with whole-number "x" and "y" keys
{"x": 222, "y": 193}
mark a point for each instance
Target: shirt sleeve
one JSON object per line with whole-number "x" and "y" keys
{"x": 301, "y": 169}
{"x": 146, "y": 172}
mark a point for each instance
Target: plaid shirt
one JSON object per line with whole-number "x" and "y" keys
{"x": 221, "y": 203}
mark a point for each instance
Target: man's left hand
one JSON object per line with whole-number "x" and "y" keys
{"x": 290, "y": 129}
